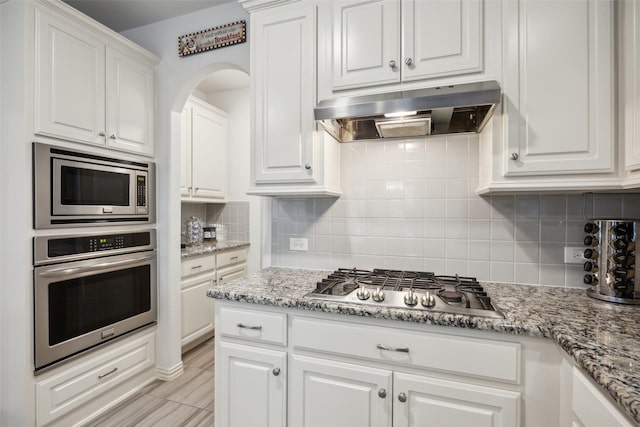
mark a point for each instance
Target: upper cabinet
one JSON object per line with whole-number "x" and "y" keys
{"x": 91, "y": 88}
{"x": 379, "y": 42}
{"x": 289, "y": 155}
{"x": 629, "y": 20}
{"x": 203, "y": 175}
{"x": 557, "y": 127}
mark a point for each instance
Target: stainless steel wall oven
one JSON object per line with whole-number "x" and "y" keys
{"x": 90, "y": 289}
{"x": 74, "y": 188}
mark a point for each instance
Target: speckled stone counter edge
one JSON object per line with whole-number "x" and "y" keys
{"x": 603, "y": 338}
{"x": 205, "y": 248}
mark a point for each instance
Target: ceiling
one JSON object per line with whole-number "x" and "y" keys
{"x": 121, "y": 15}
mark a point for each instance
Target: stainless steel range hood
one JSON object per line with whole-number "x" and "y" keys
{"x": 436, "y": 111}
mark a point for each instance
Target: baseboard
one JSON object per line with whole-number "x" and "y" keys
{"x": 169, "y": 374}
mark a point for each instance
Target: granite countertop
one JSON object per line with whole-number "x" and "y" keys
{"x": 207, "y": 248}
{"x": 603, "y": 338}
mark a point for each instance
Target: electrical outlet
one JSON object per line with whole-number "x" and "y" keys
{"x": 298, "y": 244}
{"x": 574, "y": 255}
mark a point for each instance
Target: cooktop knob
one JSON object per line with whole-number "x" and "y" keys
{"x": 363, "y": 293}
{"x": 378, "y": 295}
{"x": 410, "y": 298}
{"x": 428, "y": 300}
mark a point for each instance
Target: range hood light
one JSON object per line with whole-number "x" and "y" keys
{"x": 401, "y": 114}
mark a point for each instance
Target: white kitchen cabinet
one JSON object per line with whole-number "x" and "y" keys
{"x": 204, "y": 152}
{"x": 329, "y": 393}
{"x": 556, "y": 127}
{"x": 629, "y": 20}
{"x": 383, "y": 42}
{"x": 251, "y": 384}
{"x": 197, "y": 320}
{"x": 289, "y": 155}
{"x": 231, "y": 265}
{"x": 82, "y": 388}
{"x": 424, "y": 401}
{"x": 91, "y": 88}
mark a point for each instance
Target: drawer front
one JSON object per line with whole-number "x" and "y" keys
{"x": 70, "y": 389}
{"x": 253, "y": 325}
{"x": 495, "y": 360}
{"x": 198, "y": 265}
{"x": 225, "y": 275}
{"x": 231, "y": 257}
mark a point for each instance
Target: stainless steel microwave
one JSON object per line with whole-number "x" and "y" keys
{"x": 74, "y": 188}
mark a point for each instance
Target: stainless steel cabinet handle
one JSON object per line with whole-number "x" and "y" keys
{"x": 234, "y": 257}
{"x": 408, "y": 61}
{"x": 108, "y": 373}
{"x": 402, "y": 397}
{"x": 101, "y": 134}
{"x": 392, "y": 64}
{"x": 195, "y": 267}
{"x": 387, "y": 348}
{"x": 382, "y": 393}
{"x": 254, "y": 328}
{"x": 113, "y": 136}
{"x": 515, "y": 156}
{"x": 276, "y": 371}
{"x": 307, "y": 166}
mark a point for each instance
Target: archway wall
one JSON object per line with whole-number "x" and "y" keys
{"x": 176, "y": 79}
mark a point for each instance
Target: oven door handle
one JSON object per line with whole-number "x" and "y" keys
{"x": 60, "y": 272}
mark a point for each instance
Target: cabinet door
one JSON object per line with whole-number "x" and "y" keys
{"x": 197, "y": 308}
{"x": 328, "y": 393}
{"x": 70, "y": 81}
{"x": 366, "y": 43}
{"x": 209, "y": 152}
{"x": 130, "y": 103}
{"x": 441, "y": 38}
{"x": 631, "y": 81}
{"x": 250, "y": 386}
{"x": 448, "y": 403}
{"x": 185, "y": 151}
{"x": 283, "y": 59}
{"x": 558, "y": 87}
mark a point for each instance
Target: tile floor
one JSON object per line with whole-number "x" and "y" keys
{"x": 186, "y": 401}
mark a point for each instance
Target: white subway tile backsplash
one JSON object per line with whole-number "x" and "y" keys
{"x": 411, "y": 204}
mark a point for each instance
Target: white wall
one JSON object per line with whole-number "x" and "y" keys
{"x": 412, "y": 205}
{"x": 176, "y": 79}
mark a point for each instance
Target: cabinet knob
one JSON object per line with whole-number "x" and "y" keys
{"x": 402, "y": 397}
{"x": 515, "y": 156}
{"x": 408, "y": 61}
{"x": 113, "y": 136}
{"x": 382, "y": 393}
{"x": 276, "y": 371}
{"x": 307, "y": 166}
{"x": 392, "y": 64}
{"x": 101, "y": 134}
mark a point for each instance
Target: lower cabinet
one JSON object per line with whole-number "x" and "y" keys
{"x": 84, "y": 387}
{"x": 197, "y": 309}
{"x": 251, "y": 386}
{"x": 367, "y": 396}
{"x": 329, "y": 393}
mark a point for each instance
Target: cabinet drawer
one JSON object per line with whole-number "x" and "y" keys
{"x": 198, "y": 265}
{"x": 231, "y": 257}
{"x": 253, "y": 325}
{"x": 227, "y": 274}
{"x": 496, "y": 360}
{"x": 77, "y": 386}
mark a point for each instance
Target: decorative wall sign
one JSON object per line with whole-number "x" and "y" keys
{"x": 222, "y": 36}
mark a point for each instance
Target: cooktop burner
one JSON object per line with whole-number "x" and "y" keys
{"x": 406, "y": 289}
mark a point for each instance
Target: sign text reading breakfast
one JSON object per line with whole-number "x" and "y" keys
{"x": 223, "y": 36}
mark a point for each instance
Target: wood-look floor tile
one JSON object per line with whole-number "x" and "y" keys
{"x": 194, "y": 387}
{"x": 200, "y": 357}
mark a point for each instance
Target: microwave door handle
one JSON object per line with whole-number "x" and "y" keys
{"x": 69, "y": 271}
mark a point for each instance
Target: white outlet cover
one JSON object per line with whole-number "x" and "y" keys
{"x": 573, "y": 255}
{"x": 298, "y": 244}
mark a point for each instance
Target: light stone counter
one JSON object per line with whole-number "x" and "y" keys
{"x": 603, "y": 338}
{"x": 208, "y": 248}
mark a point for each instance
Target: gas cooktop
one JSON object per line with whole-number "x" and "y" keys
{"x": 407, "y": 289}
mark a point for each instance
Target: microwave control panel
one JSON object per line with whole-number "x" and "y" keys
{"x": 141, "y": 195}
